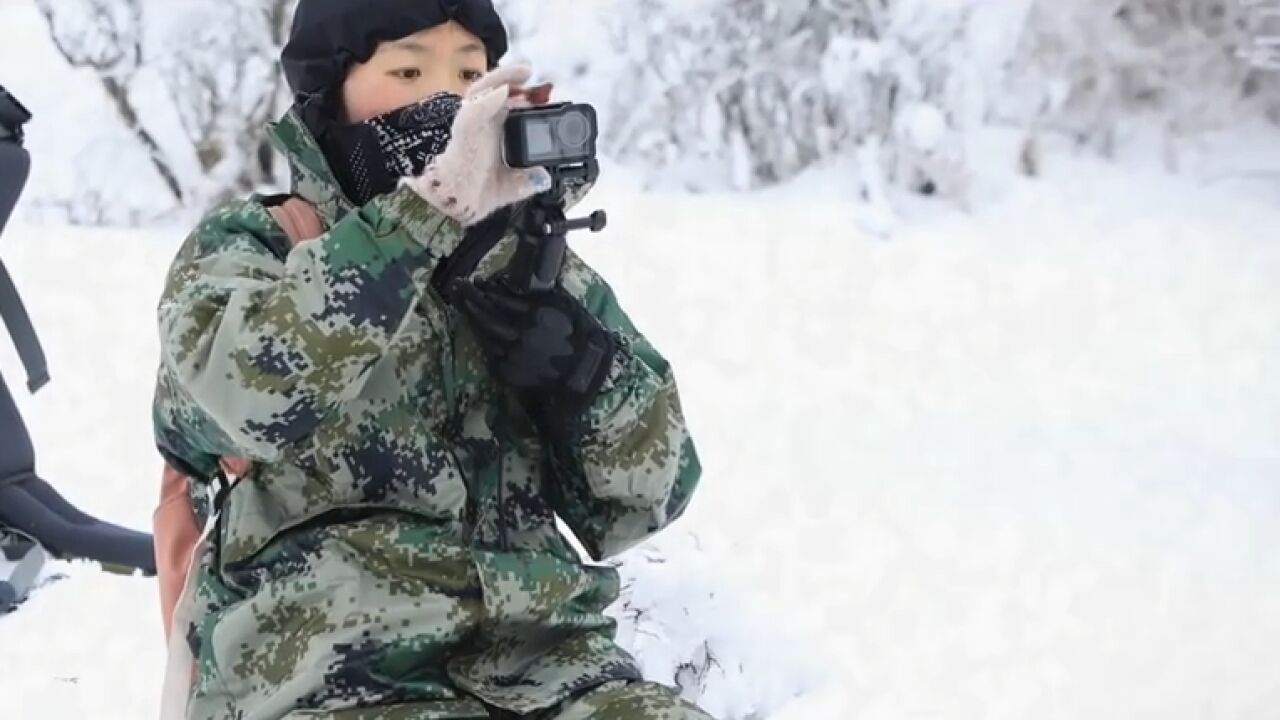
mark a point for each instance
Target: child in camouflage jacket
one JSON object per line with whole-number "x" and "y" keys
{"x": 390, "y": 549}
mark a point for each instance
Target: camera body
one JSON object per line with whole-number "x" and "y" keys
{"x": 12, "y": 117}
{"x": 550, "y": 136}
{"x": 561, "y": 139}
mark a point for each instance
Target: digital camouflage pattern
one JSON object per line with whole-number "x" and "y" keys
{"x": 393, "y": 553}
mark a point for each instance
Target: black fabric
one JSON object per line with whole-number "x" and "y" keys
{"x": 328, "y": 36}
{"x": 32, "y": 507}
{"x": 17, "y": 457}
{"x": 370, "y": 157}
{"x": 480, "y": 239}
{"x": 15, "y": 165}
{"x": 28, "y": 504}
{"x": 13, "y": 315}
{"x": 545, "y": 345}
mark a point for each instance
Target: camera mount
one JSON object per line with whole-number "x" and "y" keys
{"x": 539, "y": 256}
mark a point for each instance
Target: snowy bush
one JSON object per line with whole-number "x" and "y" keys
{"x": 1262, "y": 28}
{"x": 746, "y": 93}
{"x": 1194, "y": 65}
{"x": 1262, "y": 51}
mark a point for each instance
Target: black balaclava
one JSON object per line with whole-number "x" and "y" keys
{"x": 328, "y": 37}
{"x": 370, "y": 157}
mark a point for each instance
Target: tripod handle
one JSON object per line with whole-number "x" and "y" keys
{"x": 537, "y": 262}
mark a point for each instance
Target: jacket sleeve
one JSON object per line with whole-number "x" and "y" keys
{"x": 256, "y": 351}
{"x": 634, "y": 468}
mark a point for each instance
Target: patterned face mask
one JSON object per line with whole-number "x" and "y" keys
{"x": 376, "y": 153}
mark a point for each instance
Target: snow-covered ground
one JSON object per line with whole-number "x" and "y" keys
{"x": 1019, "y": 463}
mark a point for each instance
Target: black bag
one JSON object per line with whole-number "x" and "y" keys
{"x": 34, "y": 518}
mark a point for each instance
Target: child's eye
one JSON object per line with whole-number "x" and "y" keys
{"x": 471, "y": 75}
{"x": 407, "y": 73}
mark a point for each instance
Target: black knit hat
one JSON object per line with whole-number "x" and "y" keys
{"x": 329, "y": 36}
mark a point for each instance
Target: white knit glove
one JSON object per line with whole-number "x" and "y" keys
{"x": 469, "y": 181}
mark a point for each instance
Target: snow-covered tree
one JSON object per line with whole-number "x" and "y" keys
{"x": 1262, "y": 19}
{"x": 218, "y": 61}
{"x": 1262, "y": 52}
{"x": 747, "y": 93}
{"x": 214, "y": 63}
{"x": 107, "y": 36}
{"x": 732, "y": 93}
{"x": 1193, "y": 64}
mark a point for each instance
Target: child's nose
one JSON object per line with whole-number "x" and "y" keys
{"x": 448, "y": 81}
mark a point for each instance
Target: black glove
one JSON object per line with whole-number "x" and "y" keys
{"x": 544, "y": 344}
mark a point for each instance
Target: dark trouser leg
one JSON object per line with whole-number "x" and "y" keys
{"x": 30, "y": 505}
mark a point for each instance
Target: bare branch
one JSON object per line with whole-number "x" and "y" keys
{"x": 106, "y": 36}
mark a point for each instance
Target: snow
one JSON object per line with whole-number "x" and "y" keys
{"x": 68, "y": 176}
{"x": 1014, "y": 463}
{"x": 924, "y": 126}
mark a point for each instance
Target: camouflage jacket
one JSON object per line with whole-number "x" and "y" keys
{"x": 395, "y": 545}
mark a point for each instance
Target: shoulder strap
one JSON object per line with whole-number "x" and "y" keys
{"x": 14, "y": 315}
{"x": 299, "y": 219}
{"x": 480, "y": 239}
{"x": 17, "y": 164}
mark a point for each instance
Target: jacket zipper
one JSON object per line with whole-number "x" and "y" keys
{"x": 504, "y": 540}
{"x": 480, "y": 240}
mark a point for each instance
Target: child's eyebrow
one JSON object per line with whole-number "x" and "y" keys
{"x": 417, "y": 47}
{"x": 411, "y": 46}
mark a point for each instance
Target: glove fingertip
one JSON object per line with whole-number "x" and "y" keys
{"x": 495, "y": 100}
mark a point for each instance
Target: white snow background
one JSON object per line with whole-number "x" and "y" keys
{"x": 1015, "y": 463}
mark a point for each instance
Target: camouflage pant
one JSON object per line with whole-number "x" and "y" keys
{"x": 618, "y": 700}
{"x": 625, "y": 701}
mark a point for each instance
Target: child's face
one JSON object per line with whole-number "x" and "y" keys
{"x": 445, "y": 58}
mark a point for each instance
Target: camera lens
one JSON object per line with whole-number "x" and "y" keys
{"x": 573, "y": 129}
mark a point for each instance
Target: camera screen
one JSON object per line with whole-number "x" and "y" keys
{"x": 538, "y": 140}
